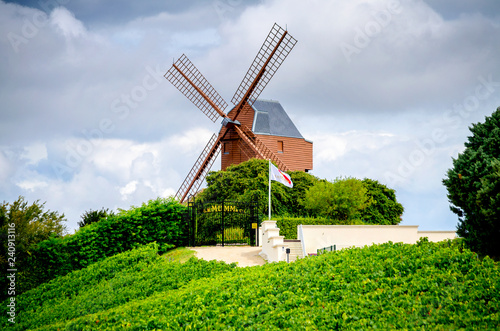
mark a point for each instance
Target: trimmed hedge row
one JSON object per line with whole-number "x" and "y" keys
{"x": 159, "y": 220}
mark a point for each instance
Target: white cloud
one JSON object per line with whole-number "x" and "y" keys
{"x": 66, "y": 23}
{"x": 330, "y": 147}
{"x": 193, "y": 140}
{"x": 32, "y": 185}
{"x": 35, "y": 153}
{"x": 5, "y": 168}
{"x": 128, "y": 189}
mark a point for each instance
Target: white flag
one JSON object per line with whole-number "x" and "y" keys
{"x": 280, "y": 176}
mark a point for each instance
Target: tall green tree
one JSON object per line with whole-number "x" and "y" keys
{"x": 343, "y": 199}
{"x": 384, "y": 209}
{"x": 473, "y": 186}
{"x": 30, "y": 224}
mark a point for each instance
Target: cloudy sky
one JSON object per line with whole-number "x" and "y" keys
{"x": 384, "y": 89}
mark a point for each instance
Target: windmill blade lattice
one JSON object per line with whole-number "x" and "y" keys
{"x": 270, "y": 57}
{"x": 200, "y": 169}
{"x": 189, "y": 80}
{"x": 251, "y": 140}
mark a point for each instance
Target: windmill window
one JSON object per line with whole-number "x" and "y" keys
{"x": 225, "y": 148}
{"x": 280, "y": 146}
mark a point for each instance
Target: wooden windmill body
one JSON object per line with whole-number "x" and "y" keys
{"x": 252, "y": 128}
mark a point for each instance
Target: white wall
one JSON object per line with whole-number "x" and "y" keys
{"x": 343, "y": 236}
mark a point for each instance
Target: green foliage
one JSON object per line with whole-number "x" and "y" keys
{"x": 159, "y": 220}
{"x": 125, "y": 277}
{"x": 474, "y": 187}
{"x": 249, "y": 181}
{"x": 302, "y": 181}
{"x": 384, "y": 209}
{"x": 239, "y": 182}
{"x": 437, "y": 286}
{"x": 93, "y": 216}
{"x": 342, "y": 199}
{"x": 29, "y": 225}
{"x": 232, "y": 235}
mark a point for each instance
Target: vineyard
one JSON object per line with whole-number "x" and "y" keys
{"x": 388, "y": 286}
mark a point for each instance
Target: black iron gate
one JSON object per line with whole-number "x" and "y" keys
{"x": 223, "y": 223}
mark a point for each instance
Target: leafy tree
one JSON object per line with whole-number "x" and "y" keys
{"x": 343, "y": 199}
{"x": 384, "y": 209}
{"x": 93, "y": 216}
{"x": 473, "y": 186}
{"x": 249, "y": 181}
{"x": 302, "y": 181}
{"x": 31, "y": 225}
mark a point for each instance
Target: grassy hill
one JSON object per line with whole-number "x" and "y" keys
{"x": 388, "y": 286}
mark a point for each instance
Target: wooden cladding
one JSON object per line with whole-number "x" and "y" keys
{"x": 296, "y": 152}
{"x": 245, "y": 117}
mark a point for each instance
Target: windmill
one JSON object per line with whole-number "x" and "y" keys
{"x": 246, "y": 131}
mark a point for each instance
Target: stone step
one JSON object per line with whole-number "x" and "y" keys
{"x": 295, "y": 249}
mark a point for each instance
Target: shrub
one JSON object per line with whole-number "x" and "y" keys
{"x": 159, "y": 220}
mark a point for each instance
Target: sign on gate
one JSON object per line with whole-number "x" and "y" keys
{"x": 222, "y": 223}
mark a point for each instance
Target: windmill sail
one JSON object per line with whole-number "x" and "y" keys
{"x": 201, "y": 167}
{"x": 269, "y": 58}
{"x": 189, "y": 80}
{"x": 259, "y": 147}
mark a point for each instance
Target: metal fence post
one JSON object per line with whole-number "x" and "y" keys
{"x": 222, "y": 221}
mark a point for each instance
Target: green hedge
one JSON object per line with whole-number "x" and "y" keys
{"x": 288, "y": 225}
{"x": 159, "y": 220}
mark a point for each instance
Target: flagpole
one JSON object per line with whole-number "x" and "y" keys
{"x": 269, "y": 189}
